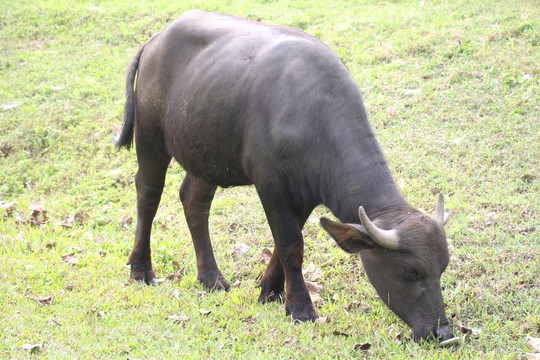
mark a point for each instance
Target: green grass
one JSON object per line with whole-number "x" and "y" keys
{"x": 453, "y": 91}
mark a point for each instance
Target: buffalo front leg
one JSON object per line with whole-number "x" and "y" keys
{"x": 196, "y": 196}
{"x": 153, "y": 162}
{"x": 289, "y": 247}
{"x": 272, "y": 283}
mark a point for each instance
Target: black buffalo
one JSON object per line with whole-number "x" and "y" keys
{"x": 236, "y": 102}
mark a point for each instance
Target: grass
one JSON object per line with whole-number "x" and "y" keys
{"x": 453, "y": 93}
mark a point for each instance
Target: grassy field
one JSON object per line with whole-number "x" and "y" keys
{"x": 453, "y": 92}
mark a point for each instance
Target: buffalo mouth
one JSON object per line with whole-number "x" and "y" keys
{"x": 442, "y": 333}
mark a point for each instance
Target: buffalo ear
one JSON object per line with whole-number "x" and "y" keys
{"x": 350, "y": 237}
{"x": 446, "y": 216}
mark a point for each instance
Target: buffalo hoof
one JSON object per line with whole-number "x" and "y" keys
{"x": 301, "y": 313}
{"x": 270, "y": 296}
{"x": 144, "y": 277}
{"x": 215, "y": 282}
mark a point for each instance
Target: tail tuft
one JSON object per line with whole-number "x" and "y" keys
{"x": 125, "y": 138}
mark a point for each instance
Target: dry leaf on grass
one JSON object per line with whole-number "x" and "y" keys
{"x": 68, "y": 222}
{"x": 533, "y": 343}
{"x": 50, "y": 245}
{"x": 362, "y": 347}
{"x": 266, "y": 255}
{"x": 36, "y": 206}
{"x": 468, "y": 331}
{"x": 176, "y": 276}
{"x": 314, "y": 289}
{"x": 312, "y": 273}
{"x": 47, "y": 300}
{"x": 9, "y": 208}
{"x": 240, "y": 250}
{"x": 290, "y": 341}
{"x": 177, "y": 319}
{"x": 81, "y": 217}
{"x": 126, "y": 220}
{"x": 70, "y": 259}
{"x": 53, "y": 322}
{"x": 532, "y": 356}
{"x": 205, "y": 312}
{"x": 39, "y": 214}
{"x": 33, "y": 348}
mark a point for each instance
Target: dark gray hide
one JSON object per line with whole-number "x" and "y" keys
{"x": 236, "y": 102}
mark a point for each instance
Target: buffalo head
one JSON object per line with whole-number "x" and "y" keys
{"x": 404, "y": 254}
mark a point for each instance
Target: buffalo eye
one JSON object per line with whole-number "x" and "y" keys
{"x": 411, "y": 273}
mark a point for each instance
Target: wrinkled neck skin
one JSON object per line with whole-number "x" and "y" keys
{"x": 371, "y": 187}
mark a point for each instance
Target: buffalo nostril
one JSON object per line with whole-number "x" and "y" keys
{"x": 444, "y": 333}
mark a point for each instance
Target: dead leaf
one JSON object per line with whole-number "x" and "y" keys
{"x": 340, "y": 333}
{"x": 101, "y": 314}
{"x": 37, "y": 206}
{"x": 321, "y": 320}
{"x": 312, "y": 273}
{"x": 205, "y": 312}
{"x": 78, "y": 249}
{"x": 50, "y": 245}
{"x": 176, "y": 264}
{"x": 290, "y": 341}
{"x": 532, "y": 356}
{"x": 315, "y": 298}
{"x": 69, "y": 286}
{"x": 266, "y": 255}
{"x": 81, "y": 217}
{"x": 9, "y": 105}
{"x": 528, "y": 177}
{"x": 68, "y": 222}
{"x": 53, "y": 322}
{"x": 363, "y": 347}
{"x": 8, "y": 207}
{"x": 533, "y": 344}
{"x": 251, "y": 320}
{"x": 101, "y": 239}
{"x": 355, "y": 304}
{"x": 177, "y": 319}
{"x": 468, "y": 331}
{"x": 126, "y": 220}
{"x": 70, "y": 259}
{"x": 39, "y": 214}
{"x": 21, "y": 219}
{"x": 240, "y": 250}
{"x": 176, "y": 276}
{"x": 47, "y": 300}
{"x": 33, "y": 348}
{"x": 313, "y": 287}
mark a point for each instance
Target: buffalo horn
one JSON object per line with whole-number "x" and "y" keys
{"x": 439, "y": 210}
{"x": 385, "y": 238}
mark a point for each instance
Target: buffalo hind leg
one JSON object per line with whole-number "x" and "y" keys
{"x": 272, "y": 283}
{"x": 196, "y": 196}
{"x": 150, "y": 178}
{"x": 289, "y": 246}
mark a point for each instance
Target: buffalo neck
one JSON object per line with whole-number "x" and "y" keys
{"x": 361, "y": 177}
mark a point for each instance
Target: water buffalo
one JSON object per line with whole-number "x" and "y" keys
{"x": 237, "y": 102}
